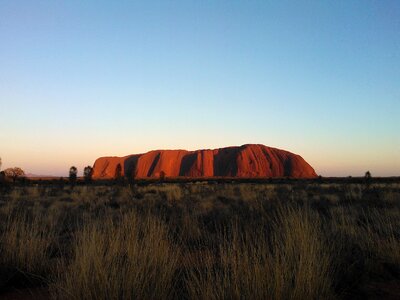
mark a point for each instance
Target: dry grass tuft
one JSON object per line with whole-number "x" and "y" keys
{"x": 127, "y": 259}
{"x": 292, "y": 263}
{"x": 27, "y": 242}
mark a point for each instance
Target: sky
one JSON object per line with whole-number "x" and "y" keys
{"x": 84, "y": 79}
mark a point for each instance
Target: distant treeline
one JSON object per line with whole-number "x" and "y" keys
{"x": 214, "y": 180}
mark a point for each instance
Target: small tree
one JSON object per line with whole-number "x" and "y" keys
{"x": 73, "y": 172}
{"x": 162, "y": 176}
{"x": 87, "y": 173}
{"x": 14, "y": 173}
{"x": 367, "y": 178}
{"x": 0, "y": 163}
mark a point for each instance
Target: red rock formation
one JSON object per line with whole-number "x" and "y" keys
{"x": 244, "y": 162}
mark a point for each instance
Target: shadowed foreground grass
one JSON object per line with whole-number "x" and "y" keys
{"x": 292, "y": 260}
{"x": 126, "y": 259}
{"x": 116, "y": 244}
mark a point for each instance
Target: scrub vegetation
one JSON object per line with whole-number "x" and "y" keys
{"x": 201, "y": 240}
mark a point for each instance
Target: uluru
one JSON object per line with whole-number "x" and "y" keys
{"x": 246, "y": 161}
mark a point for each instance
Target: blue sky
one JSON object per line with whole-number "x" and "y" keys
{"x": 82, "y": 79}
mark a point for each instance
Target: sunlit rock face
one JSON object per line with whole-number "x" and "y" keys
{"x": 247, "y": 161}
